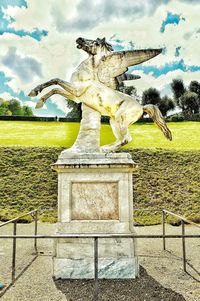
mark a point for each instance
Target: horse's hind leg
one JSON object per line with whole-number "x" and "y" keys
{"x": 62, "y": 92}
{"x": 121, "y": 133}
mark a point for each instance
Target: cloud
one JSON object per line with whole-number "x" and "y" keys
{"x": 26, "y": 68}
{"x": 7, "y": 10}
{"x": 127, "y": 24}
{"x": 8, "y": 96}
{"x": 91, "y": 13}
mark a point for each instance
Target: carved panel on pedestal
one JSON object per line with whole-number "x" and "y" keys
{"x": 95, "y": 201}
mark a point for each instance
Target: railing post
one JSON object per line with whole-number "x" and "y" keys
{"x": 163, "y": 226}
{"x": 36, "y": 227}
{"x": 14, "y": 251}
{"x": 183, "y": 245}
{"x": 96, "y": 293}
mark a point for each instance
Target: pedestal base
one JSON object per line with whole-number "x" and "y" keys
{"x": 109, "y": 268}
{"x": 95, "y": 196}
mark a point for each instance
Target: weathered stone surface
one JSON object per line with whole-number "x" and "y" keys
{"x": 107, "y": 248}
{"x": 89, "y": 134}
{"x": 95, "y": 196}
{"x": 109, "y": 268}
{"x": 95, "y": 201}
{"x": 93, "y": 159}
{"x": 93, "y": 226}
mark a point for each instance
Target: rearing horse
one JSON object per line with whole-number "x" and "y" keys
{"x": 95, "y": 82}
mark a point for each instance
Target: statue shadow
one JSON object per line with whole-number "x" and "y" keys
{"x": 143, "y": 288}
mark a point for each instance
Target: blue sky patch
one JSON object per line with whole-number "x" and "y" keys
{"x": 170, "y": 19}
{"x": 5, "y": 24}
{"x": 37, "y": 34}
{"x": 156, "y": 72}
{"x": 4, "y": 87}
{"x": 19, "y": 3}
{"x": 3, "y": 83}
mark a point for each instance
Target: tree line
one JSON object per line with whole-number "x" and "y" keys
{"x": 14, "y": 108}
{"x": 187, "y": 99}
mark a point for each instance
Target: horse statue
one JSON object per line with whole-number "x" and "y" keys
{"x": 95, "y": 84}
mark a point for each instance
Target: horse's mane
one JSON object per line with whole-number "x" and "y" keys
{"x": 105, "y": 44}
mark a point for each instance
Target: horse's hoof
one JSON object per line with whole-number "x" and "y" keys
{"x": 33, "y": 93}
{"x": 105, "y": 149}
{"x": 39, "y": 104}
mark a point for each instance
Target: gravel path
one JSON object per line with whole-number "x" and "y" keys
{"x": 162, "y": 277}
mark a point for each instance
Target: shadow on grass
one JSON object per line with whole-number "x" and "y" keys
{"x": 140, "y": 289}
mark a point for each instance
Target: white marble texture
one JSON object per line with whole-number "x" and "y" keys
{"x": 108, "y": 268}
{"x": 95, "y": 196}
{"x": 95, "y": 201}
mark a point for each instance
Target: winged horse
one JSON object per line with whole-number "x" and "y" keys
{"x": 95, "y": 83}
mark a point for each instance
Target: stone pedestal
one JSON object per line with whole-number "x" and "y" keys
{"x": 95, "y": 196}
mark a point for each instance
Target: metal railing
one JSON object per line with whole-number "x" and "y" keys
{"x": 96, "y": 237}
{"x": 34, "y": 215}
{"x": 183, "y": 222}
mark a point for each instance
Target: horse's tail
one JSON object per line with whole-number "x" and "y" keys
{"x": 157, "y": 117}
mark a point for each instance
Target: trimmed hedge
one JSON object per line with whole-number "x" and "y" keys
{"x": 164, "y": 179}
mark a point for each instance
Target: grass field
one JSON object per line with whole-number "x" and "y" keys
{"x": 186, "y": 135}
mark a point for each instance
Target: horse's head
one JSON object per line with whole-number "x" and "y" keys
{"x": 94, "y": 46}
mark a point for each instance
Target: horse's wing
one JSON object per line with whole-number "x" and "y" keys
{"x": 116, "y": 63}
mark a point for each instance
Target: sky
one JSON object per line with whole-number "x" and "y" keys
{"x": 37, "y": 42}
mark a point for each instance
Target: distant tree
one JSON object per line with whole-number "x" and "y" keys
{"x": 166, "y": 104}
{"x": 26, "y": 111}
{"x": 130, "y": 90}
{"x": 13, "y": 107}
{"x": 4, "y": 110}
{"x": 195, "y": 87}
{"x": 188, "y": 99}
{"x": 151, "y": 96}
{"x": 189, "y": 102}
{"x": 178, "y": 89}
{"x": 75, "y": 110}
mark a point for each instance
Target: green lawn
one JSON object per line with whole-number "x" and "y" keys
{"x": 186, "y": 135}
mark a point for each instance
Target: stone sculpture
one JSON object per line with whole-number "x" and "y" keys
{"x": 95, "y": 192}
{"x": 95, "y": 84}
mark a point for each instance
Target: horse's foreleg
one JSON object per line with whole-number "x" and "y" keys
{"x": 56, "y": 81}
{"x": 62, "y": 92}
